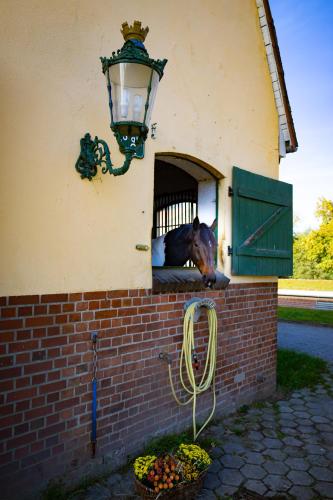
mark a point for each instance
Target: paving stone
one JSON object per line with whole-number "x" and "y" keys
{"x": 293, "y": 451}
{"x": 288, "y": 423}
{"x": 206, "y": 495}
{"x": 257, "y": 446}
{"x": 272, "y": 443}
{"x": 231, "y": 476}
{"x": 314, "y": 449}
{"x": 216, "y": 452}
{"x": 270, "y": 417}
{"x": 98, "y": 492}
{"x": 322, "y": 473}
{"x": 253, "y": 471}
{"x": 257, "y": 436}
{"x": 291, "y": 441}
{"x": 302, "y": 414}
{"x": 275, "y": 454}
{"x": 277, "y": 483}
{"x": 321, "y": 390}
{"x": 234, "y": 448}
{"x": 269, "y": 433}
{"x": 300, "y": 407}
{"x": 324, "y": 427}
{"x": 211, "y": 481}
{"x": 285, "y": 409}
{"x": 275, "y": 467}
{"x": 317, "y": 411}
{"x": 254, "y": 458}
{"x": 311, "y": 439}
{"x": 302, "y": 493}
{"x": 215, "y": 466}
{"x": 300, "y": 478}
{"x": 296, "y": 394}
{"x": 295, "y": 401}
{"x": 304, "y": 421}
{"x": 289, "y": 431}
{"x": 255, "y": 426}
{"x": 319, "y": 460}
{"x": 305, "y": 392}
{"x": 121, "y": 490}
{"x": 269, "y": 424}
{"x": 324, "y": 489}
{"x": 255, "y": 486}
{"x": 320, "y": 420}
{"x": 327, "y": 437}
{"x": 113, "y": 479}
{"x": 306, "y": 429}
{"x": 298, "y": 463}
{"x": 232, "y": 461}
{"x": 225, "y": 490}
{"x": 312, "y": 403}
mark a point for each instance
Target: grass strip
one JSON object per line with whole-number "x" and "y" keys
{"x": 314, "y": 316}
{"x": 297, "y": 370}
{"x": 298, "y": 284}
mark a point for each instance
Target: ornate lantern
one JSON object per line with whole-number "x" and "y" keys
{"x": 132, "y": 78}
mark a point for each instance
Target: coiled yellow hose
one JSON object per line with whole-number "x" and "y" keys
{"x": 208, "y": 376}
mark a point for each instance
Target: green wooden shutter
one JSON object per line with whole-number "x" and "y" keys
{"x": 262, "y": 225}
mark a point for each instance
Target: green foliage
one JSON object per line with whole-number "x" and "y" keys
{"x": 320, "y": 317}
{"x": 171, "y": 442}
{"x": 303, "y": 284}
{"x": 313, "y": 251}
{"x": 55, "y": 491}
{"x": 324, "y": 210}
{"x": 297, "y": 370}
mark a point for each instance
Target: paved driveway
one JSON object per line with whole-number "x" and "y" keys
{"x": 315, "y": 340}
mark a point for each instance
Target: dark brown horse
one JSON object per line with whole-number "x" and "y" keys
{"x": 189, "y": 241}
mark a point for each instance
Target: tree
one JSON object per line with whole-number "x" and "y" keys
{"x": 324, "y": 210}
{"x": 313, "y": 252}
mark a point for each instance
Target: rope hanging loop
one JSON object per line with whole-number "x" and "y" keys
{"x": 94, "y": 337}
{"x": 207, "y": 380}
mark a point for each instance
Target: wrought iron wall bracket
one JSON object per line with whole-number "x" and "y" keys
{"x": 95, "y": 153}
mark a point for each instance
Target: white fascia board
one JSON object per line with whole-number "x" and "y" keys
{"x": 284, "y": 131}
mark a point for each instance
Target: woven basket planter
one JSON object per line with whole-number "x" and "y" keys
{"x": 182, "y": 491}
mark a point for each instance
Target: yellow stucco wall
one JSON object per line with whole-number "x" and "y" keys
{"x": 215, "y": 102}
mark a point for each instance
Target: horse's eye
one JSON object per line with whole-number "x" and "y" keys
{"x": 196, "y": 246}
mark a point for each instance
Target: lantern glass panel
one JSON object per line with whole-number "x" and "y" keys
{"x": 154, "y": 84}
{"x": 129, "y": 91}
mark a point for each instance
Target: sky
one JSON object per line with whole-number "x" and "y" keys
{"x": 305, "y": 35}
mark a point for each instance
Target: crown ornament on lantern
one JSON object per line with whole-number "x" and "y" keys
{"x": 134, "y": 32}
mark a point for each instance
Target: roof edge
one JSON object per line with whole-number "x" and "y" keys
{"x": 277, "y": 56}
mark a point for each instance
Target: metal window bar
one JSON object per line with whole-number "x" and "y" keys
{"x": 172, "y": 210}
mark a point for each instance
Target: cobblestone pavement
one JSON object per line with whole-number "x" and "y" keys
{"x": 315, "y": 340}
{"x": 282, "y": 449}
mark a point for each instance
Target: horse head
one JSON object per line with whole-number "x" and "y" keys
{"x": 202, "y": 248}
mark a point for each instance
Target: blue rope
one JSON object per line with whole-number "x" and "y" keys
{"x": 93, "y": 416}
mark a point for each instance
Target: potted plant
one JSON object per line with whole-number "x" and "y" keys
{"x": 179, "y": 475}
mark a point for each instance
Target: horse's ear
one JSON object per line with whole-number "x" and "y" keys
{"x": 213, "y": 226}
{"x": 196, "y": 224}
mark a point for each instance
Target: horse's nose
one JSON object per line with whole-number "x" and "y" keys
{"x": 209, "y": 280}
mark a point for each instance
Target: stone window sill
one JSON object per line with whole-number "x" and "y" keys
{"x": 176, "y": 279}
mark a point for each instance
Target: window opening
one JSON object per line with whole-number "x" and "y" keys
{"x": 182, "y": 191}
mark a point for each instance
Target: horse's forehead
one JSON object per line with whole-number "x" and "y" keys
{"x": 206, "y": 235}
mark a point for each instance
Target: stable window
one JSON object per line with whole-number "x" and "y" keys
{"x": 183, "y": 189}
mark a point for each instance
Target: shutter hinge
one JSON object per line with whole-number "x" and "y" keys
{"x": 230, "y": 191}
{"x": 229, "y": 250}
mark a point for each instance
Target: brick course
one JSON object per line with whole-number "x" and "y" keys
{"x": 46, "y": 371}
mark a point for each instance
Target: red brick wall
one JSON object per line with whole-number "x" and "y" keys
{"x": 294, "y": 301}
{"x": 46, "y": 371}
